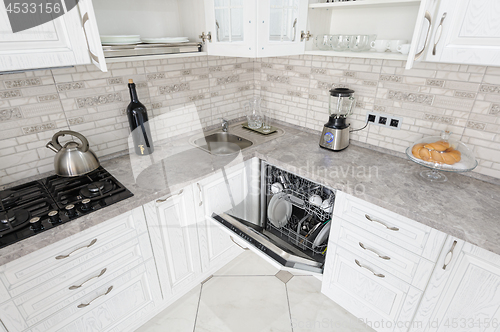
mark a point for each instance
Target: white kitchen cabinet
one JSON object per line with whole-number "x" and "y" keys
{"x": 255, "y": 28}
{"x": 464, "y": 32}
{"x": 109, "y": 266}
{"x": 378, "y": 263}
{"x": 174, "y": 237}
{"x": 387, "y": 19}
{"x": 224, "y": 191}
{"x": 370, "y": 293}
{"x": 71, "y": 39}
{"x": 464, "y": 291}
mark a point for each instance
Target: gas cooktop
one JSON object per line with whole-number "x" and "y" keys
{"x": 37, "y": 206}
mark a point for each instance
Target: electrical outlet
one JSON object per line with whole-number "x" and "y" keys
{"x": 384, "y": 120}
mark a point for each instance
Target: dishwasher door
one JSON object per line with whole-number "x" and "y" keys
{"x": 247, "y": 221}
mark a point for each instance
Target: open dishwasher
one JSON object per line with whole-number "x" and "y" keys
{"x": 293, "y": 222}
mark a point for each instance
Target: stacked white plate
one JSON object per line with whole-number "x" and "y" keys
{"x": 165, "y": 40}
{"x": 279, "y": 210}
{"x": 120, "y": 39}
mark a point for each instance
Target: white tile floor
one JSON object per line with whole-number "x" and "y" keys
{"x": 245, "y": 295}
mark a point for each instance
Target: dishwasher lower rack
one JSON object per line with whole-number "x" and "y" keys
{"x": 297, "y": 240}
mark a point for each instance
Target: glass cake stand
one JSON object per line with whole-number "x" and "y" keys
{"x": 434, "y": 174}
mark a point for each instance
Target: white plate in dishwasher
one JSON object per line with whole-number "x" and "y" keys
{"x": 279, "y": 210}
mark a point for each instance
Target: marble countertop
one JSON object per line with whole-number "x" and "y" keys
{"x": 463, "y": 207}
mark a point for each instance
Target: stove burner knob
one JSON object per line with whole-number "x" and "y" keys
{"x": 54, "y": 217}
{"x": 86, "y": 204}
{"x": 70, "y": 209}
{"x": 36, "y": 223}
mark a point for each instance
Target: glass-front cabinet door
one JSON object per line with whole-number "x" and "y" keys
{"x": 231, "y": 24}
{"x": 282, "y": 24}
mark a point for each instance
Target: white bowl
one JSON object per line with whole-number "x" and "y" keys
{"x": 276, "y": 187}
{"x": 315, "y": 200}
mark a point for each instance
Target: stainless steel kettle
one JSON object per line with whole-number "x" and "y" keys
{"x": 74, "y": 159}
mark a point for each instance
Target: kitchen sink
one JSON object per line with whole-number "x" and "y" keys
{"x": 222, "y": 143}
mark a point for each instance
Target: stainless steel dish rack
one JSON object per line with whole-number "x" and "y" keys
{"x": 298, "y": 190}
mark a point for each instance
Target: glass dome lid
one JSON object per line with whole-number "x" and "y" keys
{"x": 442, "y": 153}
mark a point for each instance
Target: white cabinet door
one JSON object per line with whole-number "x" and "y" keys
{"x": 280, "y": 25}
{"x": 71, "y": 39}
{"x": 371, "y": 294}
{"x": 232, "y": 25}
{"x": 464, "y": 291}
{"x": 221, "y": 192}
{"x": 470, "y": 33}
{"x": 172, "y": 227}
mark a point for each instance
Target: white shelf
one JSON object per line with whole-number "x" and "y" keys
{"x": 364, "y": 4}
{"x": 366, "y": 55}
{"x": 155, "y": 57}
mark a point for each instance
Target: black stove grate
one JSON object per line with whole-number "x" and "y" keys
{"x": 86, "y": 194}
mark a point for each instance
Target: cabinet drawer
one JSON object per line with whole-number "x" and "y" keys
{"x": 371, "y": 298}
{"x": 384, "y": 254}
{"x": 39, "y": 303}
{"x": 41, "y": 267}
{"x": 126, "y": 295}
{"x": 402, "y": 231}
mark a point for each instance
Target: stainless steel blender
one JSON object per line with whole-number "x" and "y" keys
{"x": 335, "y": 134}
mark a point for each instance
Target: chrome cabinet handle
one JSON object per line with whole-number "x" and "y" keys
{"x": 84, "y": 247}
{"x": 428, "y": 18}
{"x": 217, "y": 30}
{"x": 83, "y": 305}
{"x": 449, "y": 256}
{"x": 294, "y": 30}
{"x": 169, "y": 197}
{"x": 439, "y": 32}
{"x": 84, "y": 20}
{"x": 374, "y": 252}
{"x": 201, "y": 196}
{"x": 83, "y": 283}
{"x": 367, "y": 268}
{"x": 381, "y": 223}
{"x": 238, "y": 244}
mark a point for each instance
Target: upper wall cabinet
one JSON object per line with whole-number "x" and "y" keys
{"x": 255, "y": 28}
{"x": 464, "y": 31}
{"x": 71, "y": 39}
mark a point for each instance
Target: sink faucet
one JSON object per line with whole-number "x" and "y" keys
{"x": 225, "y": 125}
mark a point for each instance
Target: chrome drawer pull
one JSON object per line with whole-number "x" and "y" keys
{"x": 84, "y": 247}
{"x": 381, "y": 223}
{"x": 83, "y": 283}
{"x": 449, "y": 256}
{"x": 374, "y": 252}
{"x": 201, "y": 197}
{"x": 238, "y": 244}
{"x": 367, "y": 268}
{"x": 83, "y": 305}
{"x": 169, "y": 197}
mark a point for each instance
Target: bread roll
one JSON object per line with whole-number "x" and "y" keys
{"x": 416, "y": 149}
{"x": 437, "y": 156}
{"x": 425, "y": 154}
{"x": 438, "y": 146}
{"x": 438, "y": 152}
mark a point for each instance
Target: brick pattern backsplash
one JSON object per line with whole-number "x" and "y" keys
{"x": 181, "y": 95}
{"x": 430, "y": 98}
{"x": 186, "y": 94}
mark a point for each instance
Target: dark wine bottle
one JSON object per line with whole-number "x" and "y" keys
{"x": 139, "y": 125}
